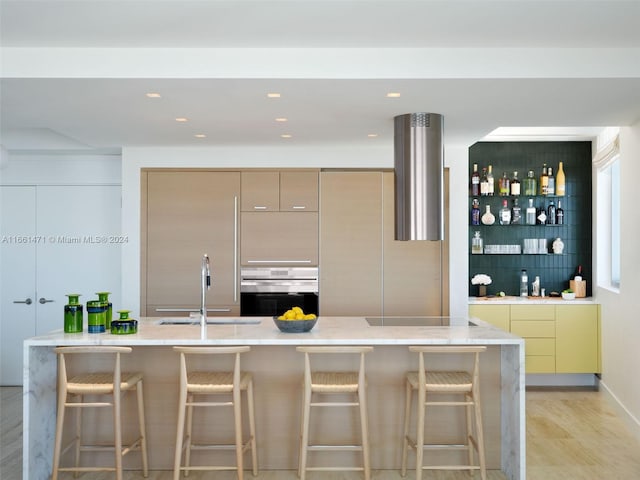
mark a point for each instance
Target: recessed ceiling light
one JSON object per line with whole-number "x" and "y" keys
{"x": 200, "y": 135}
{"x": 182, "y": 119}
{"x": 273, "y": 95}
{"x": 372, "y": 135}
{"x": 282, "y": 119}
{"x": 286, "y": 135}
{"x": 393, "y": 95}
{"x": 153, "y": 95}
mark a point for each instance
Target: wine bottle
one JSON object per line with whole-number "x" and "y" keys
{"x": 475, "y": 181}
{"x": 560, "y": 182}
{"x": 551, "y": 186}
{"x": 543, "y": 184}
{"x": 531, "y": 213}
{"x": 504, "y": 185}
{"x": 515, "y": 185}
{"x": 516, "y": 213}
{"x": 559, "y": 214}
{"x": 505, "y": 214}
{"x": 551, "y": 213}
{"x": 484, "y": 183}
{"x": 491, "y": 188}
{"x": 475, "y": 212}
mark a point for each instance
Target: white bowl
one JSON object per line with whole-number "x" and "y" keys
{"x": 568, "y": 296}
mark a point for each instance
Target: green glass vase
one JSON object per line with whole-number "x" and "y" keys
{"x": 73, "y": 314}
{"x": 104, "y": 298}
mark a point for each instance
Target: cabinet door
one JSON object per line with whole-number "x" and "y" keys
{"x": 298, "y": 191}
{"x": 279, "y": 238}
{"x": 577, "y": 339}
{"x": 260, "y": 191}
{"x": 351, "y": 243}
{"x": 413, "y": 273}
{"x": 496, "y": 315}
{"x": 189, "y": 214}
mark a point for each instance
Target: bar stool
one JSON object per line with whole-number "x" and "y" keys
{"x": 113, "y": 383}
{"x": 452, "y": 383}
{"x": 199, "y": 383}
{"x": 322, "y": 383}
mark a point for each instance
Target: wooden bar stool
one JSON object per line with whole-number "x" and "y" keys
{"x": 199, "y": 383}
{"x": 319, "y": 383}
{"x": 454, "y": 384}
{"x": 113, "y": 383}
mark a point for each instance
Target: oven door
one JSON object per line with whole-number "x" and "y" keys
{"x": 273, "y": 304}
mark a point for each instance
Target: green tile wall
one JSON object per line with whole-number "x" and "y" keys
{"x": 554, "y": 271}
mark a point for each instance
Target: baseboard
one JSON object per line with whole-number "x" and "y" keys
{"x": 561, "y": 380}
{"x": 627, "y": 417}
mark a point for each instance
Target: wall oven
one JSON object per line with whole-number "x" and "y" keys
{"x": 270, "y": 291}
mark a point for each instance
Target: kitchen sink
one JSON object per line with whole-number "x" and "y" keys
{"x": 210, "y": 321}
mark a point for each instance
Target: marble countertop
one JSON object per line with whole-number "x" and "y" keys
{"x": 512, "y": 300}
{"x": 328, "y": 331}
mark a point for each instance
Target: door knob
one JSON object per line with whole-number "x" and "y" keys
{"x": 27, "y": 301}
{"x": 44, "y": 300}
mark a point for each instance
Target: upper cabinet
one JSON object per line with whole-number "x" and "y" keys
{"x": 285, "y": 191}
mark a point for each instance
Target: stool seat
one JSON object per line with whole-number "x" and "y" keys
{"x": 443, "y": 382}
{"x": 215, "y": 382}
{"x": 334, "y": 382}
{"x": 101, "y": 383}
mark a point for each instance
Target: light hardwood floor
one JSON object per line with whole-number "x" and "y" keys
{"x": 572, "y": 434}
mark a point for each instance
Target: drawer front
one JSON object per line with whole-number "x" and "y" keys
{"x": 539, "y": 346}
{"x": 540, "y": 364}
{"x": 581, "y": 312}
{"x": 534, "y": 328}
{"x": 533, "y": 312}
{"x": 496, "y": 315}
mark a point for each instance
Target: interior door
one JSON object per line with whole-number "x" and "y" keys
{"x": 55, "y": 240}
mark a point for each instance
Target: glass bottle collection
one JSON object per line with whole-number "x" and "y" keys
{"x": 99, "y": 315}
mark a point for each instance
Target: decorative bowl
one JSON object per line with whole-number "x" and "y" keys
{"x": 568, "y": 296}
{"x": 124, "y": 327}
{"x": 295, "y": 326}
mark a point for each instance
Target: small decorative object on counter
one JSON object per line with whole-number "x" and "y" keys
{"x": 558, "y": 246}
{"x": 104, "y": 298}
{"x": 124, "y": 325}
{"x": 73, "y": 314}
{"x": 535, "y": 287}
{"x": 488, "y": 217}
{"x": 96, "y": 316}
{"x": 482, "y": 280}
{"x": 476, "y": 244}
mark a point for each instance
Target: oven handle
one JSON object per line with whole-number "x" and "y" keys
{"x": 195, "y": 309}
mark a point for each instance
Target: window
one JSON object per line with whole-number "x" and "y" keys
{"x": 607, "y": 163}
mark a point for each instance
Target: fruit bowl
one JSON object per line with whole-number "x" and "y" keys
{"x": 295, "y": 326}
{"x": 568, "y": 295}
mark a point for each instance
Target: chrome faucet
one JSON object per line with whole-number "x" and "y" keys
{"x": 205, "y": 284}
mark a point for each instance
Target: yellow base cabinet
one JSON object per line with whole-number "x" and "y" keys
{"x": 558, "y": 338}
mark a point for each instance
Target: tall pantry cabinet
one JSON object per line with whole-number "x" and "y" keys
{"x": 186, "y": 214}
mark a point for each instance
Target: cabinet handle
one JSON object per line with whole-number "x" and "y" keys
{"x": 170, "y": 310}
{"x": 44, "y": 300}
{"x": 299, "y": 207}
{"x": 259, "y": 207}
{"x": 235, "y": 249}
{"x": 278, "y": 261}
{"x": 28, "y": 301}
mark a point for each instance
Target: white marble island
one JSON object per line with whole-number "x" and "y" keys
{"x": 277, "y": 370}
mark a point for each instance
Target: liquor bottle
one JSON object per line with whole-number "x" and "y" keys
{"x": 488, "y": 218}
{"x": 541, "y": 218}
{"x": 476, "y": 244}
{"x": 531, "y": 213}
{"x": 475, "y": 212}
{"x": 491, "y": 188}
{"x": 484, "y": 183}
{"x": 505, "y": 214}
{"x": 515, "y": 185}
{"x": 559, "y": 214}
{"x": 543, "y": 184}
{"x": 530, "y": 184}
{"x": 551, "y": 187}
{"x": 524, "y": 283}
{"x": 551, "y": 213}
{"x": 475, "y": 181}
{"x": 516, "y": 213}
{"x": 504, "y": 185}
{"x": 560, "y": 182}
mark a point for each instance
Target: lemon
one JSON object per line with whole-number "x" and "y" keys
{"x": 281, "y": 317}
{"x": 297, "y": 310}
{"x": 299, "y": 316}
{"x": 289, "y": 315}
{"x": 309, "y": 316}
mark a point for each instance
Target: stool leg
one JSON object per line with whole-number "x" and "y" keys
{"x": 237, "y": 418}
{"x": 182, "y": 400}
{"x": 117, "y": 432}
{"x": 187, "y": 448}
{"x": 306, "y": 408}
{"x": 468, "y": 419}
{"x": 480, "y": 435}
{"x": 143, "y": 430}
{"x": 62, "y": 398}
{"x": 78, "y": 439}
{"x": 407, "y": 416}
{"x": 420, "y": 432}
{"x": 252, "y": 428}
{"x": 365, "y": 433}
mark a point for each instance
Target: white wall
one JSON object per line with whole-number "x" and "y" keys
{"x": 621, "y": 311}
{"x": 338, "y": 156}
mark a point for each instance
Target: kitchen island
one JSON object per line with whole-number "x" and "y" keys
{"x": 277, "y": 370}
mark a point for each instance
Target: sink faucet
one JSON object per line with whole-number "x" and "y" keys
{"x": 205, "y": 284}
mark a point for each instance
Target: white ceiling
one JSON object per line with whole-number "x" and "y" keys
{"x": 75, "y": 73}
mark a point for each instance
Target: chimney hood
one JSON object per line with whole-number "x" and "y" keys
{"x": 419, "y": 165}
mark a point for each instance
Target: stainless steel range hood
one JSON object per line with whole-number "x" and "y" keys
{"x": 419, "y": 164}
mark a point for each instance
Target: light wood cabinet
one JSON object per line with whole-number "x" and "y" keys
{"x": 285, "y": 191}
{"x": 558, "y": 338}
{"x": 186, "y": 214}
